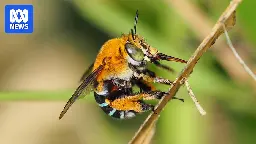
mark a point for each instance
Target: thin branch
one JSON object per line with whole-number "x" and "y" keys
{"x": 144, "y": 133}
{"x": 240, "y": 60}
{"x": 227, "y": 17}
{"x": 193, "y": 97}
{"x": 149, "y": 136}
{"x": 200, "y": 23}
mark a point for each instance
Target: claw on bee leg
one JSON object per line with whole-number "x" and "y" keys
{"x": 147, "y": 107}
{"x": 164, "y": 94}
{"x": 181, "y": 99}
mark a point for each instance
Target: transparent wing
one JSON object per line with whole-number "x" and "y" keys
{"x": 89, "y": 88}
{"x": 86, "y": 90}
{"x": 85, "y": 85}
{"x": 87, "y": 72}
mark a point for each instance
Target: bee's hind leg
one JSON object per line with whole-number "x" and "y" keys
{"x": 149, "y": 88}
{"x": 135, "y": 101}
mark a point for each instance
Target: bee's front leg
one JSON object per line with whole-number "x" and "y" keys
{"x": 161, "y": 56}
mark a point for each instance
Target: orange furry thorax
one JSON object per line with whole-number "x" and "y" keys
{"x": 114, "y": 56}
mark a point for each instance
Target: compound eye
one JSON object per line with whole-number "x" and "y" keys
{"x": 134, "y": 52}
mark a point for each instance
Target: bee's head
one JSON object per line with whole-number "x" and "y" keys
{"x": 140, "y": 52}
{"x": 138, "y": 49}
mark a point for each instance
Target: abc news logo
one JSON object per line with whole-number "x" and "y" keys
{"x": 14, "y": 18}
{"x": 19, "y": 19}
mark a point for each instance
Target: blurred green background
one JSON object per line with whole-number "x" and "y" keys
{"x": 39, "y": 72}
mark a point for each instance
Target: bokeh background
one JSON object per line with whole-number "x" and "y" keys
{"x": 40, "y": 71}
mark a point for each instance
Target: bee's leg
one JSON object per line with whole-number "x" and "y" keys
{"x": 154, "y": 95}
{"x": 145, "y": 86}
{"x": 151, "y": 77}
{"x": 134, "y": 102}
{"x": 124, "y": 107}
{"x": 158, "y": 95}
{"x": 158, "y": 64}
{"x": 161, "y": 56}
{"x": 127, "y": 106}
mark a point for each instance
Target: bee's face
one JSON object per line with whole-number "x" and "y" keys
{"x": 138, "y": 50}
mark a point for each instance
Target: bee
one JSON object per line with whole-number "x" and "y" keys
{"x": 120, "y": 65}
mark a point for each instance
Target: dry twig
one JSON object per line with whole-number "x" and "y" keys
{"x": 149, "y": 136}
{"x": 240, "y": 60}
{"x": 193, "y": 97}
{"x": 228, "y": 18}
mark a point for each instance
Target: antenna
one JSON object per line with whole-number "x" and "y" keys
{"x": 134, "y": 30}
{"x": 136, "y": 21}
